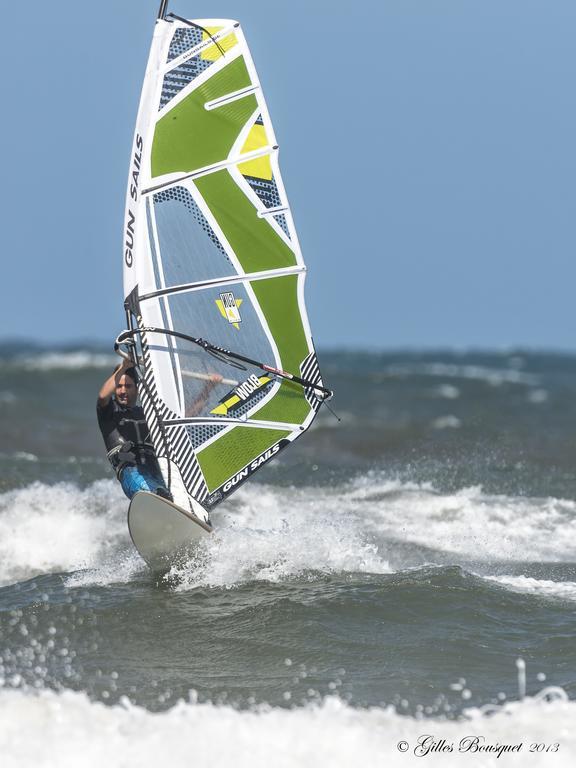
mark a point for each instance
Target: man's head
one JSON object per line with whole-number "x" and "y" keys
{"x": 126, "y": 391}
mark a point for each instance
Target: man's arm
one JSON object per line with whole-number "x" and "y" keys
{"x": 202, "y": 398}
{"x": 108, "y": 388}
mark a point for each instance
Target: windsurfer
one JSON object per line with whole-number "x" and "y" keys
{"x": 126, "y": 434}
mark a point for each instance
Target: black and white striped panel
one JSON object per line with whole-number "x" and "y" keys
{"x": 310, "y": 371}
{"x": 185, "y": 458}
{"x": 171, "y": 442}
{"x": 150, "y": 403}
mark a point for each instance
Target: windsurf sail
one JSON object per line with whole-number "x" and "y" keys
{"x": 213, "y": 274}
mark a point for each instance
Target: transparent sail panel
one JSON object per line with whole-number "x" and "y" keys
{"x": 190, "y": 250}
{"x": 225, "y": 317}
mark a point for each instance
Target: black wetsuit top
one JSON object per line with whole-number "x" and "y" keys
{"x": 127, "y": 437}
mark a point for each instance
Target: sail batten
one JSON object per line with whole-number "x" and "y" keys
{"x": 213, "y": 274}
{"x": 215, "y": 167}
{"x": 230, "y": 97}
{"x": 252, "y": 423}
{"x": 200, "y": 285}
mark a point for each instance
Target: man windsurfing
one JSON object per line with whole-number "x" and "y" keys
{"x": 126, "y": 434}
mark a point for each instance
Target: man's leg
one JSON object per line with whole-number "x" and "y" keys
{"x": 134, "y": 479}
{"x": 155, "y": 483}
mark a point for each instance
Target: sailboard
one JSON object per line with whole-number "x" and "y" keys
{"x": 213, "y": 272}
{"x": 163, "y": 533}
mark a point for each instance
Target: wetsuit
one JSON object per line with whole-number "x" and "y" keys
{"x": 130, "y": 451}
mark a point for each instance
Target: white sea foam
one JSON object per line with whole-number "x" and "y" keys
{"x": 67, "y": 729}
{"x": 447, "y": 391}
{"x": 537, "y": 396}
{"x": 274, "y": 534}
{"x": 495, "y": 377}
{"x": 48, "y": 528}
{"x": 270, "y": 533}
{"x": 563, "y": 590}
{"x": 23, "y": 456}
{"x": 468, "y": 523}
{"x": 116, "y": 568}
{"x": 49, "y": 361}
{"x": 264, "y": 533}
{"x": 447, "y": 422}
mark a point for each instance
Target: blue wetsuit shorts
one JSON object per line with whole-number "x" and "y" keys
{"x": 134, "y": 479}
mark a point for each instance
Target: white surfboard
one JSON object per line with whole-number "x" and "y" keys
{"x": 162, "y": 532}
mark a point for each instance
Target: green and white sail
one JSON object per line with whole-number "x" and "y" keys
{"x": 213, "y": 273}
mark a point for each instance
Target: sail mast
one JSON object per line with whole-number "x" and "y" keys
{"x": 163, "y": 7}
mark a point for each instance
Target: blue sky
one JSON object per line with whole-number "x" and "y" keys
{"x": 427, "y": 148}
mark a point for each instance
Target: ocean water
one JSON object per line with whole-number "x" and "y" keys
{"x": 399, "y": 584}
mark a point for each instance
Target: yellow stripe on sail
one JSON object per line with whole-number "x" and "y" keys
{"x": 223, "y": 408}
{"x": 213, "y": 53}
{"x": 260, "y": 167}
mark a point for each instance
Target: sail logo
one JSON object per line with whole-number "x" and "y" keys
{"x": 135, "y": 171}
{"x": 245, "y": 389}
{"x": 129, "y": 240}
{"x": 240, "y": 394}
{"x": 230, "y": 308}
{"x": 130, "y": 217}
{"x": 252, "y": 467}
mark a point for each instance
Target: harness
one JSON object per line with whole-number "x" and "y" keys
{"x": 127, "y": 438}
{"x": 129, "y": 454}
